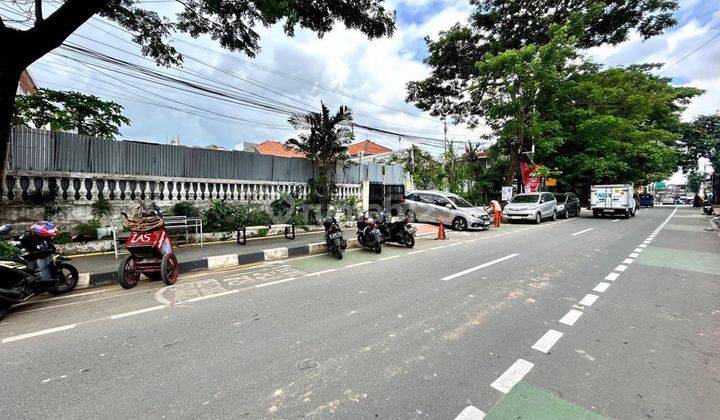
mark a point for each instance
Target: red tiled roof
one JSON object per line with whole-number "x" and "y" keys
{"x": 27, "y": 84}
{"x": 367, "y": 148}
{"x": 273, "y": 148}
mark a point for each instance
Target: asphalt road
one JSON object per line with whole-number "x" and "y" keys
{"x": 568, "y": 319}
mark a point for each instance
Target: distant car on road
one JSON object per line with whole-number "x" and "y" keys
{"x": 531, "y": 206}
{"x": 568, "y": 205}
{"x": 646, "y": 200}
{"x": 450, "y": 209}
{"x": 668, "y": 200}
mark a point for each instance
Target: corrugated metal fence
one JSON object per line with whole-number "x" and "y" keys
{"x": 41, "y": 150}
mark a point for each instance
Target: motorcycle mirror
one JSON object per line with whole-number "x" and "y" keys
{"x": 5, "y": 229}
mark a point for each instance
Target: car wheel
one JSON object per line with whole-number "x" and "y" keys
{"x": 410, "y": 214}
{"x": 459, "y": 224}
{"x": 538, "y": 218}
{"x": 566, "y": 215}
{"x": 554, "y": 216}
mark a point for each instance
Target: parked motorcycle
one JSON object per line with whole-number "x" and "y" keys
{"x": 334, "y": 237}
{"x": 399, "y": 231}
{"x": 368, "y": 234}
{"x": 151, "y": 250}
{"x": 708, "y": 207}
{"x": 39, "y": 269}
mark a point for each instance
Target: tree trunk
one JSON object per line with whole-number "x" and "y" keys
{"x": 9, "y": 78}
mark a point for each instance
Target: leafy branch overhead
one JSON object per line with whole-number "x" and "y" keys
{"x": 68, "y": 111}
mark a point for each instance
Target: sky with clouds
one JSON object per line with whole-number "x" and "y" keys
{"x": 371, "y": 75}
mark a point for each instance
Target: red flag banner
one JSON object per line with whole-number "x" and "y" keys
{"x": 531, "y": 184}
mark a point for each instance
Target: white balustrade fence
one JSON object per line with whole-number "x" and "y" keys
{"x": 87, "y": 187}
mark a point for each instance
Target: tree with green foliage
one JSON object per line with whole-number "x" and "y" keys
{"x": 695, "y": 180}
{"x": 497, "y": 26}
{"x": 514, "y": 90}
{"x": 615, "y": 125}
{"x": 67, "y": 111}
{"x": 325, "y": 143}
{"x": 426, "y": 171}
{"x": 701, "y": 139}
{"x": 231, "y": 23}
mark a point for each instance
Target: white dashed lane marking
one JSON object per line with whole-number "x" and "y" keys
{"x": 37, "y": 333}
{"x": 547, "y": 341}
{"x": 139, "y": 311}
{"x": 478, "y": 267}
{"x": 621, "y": 268}
{"x": 588, "y": 300}
{"x": 601, "y": 287}
{"x": 471, "y": 413}
{"x": 571, "y": 317}
{"x": 512, "y": 376}
{"x": 581, "y": 232}
{"x": 612, "y": 276}
{"x": 628, "y": 261}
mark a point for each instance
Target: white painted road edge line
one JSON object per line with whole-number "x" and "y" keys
{"x": 634, "y": 254}
{"x": 257, "y": 286}
{"x": 612, "y": 276}
{"x": 616, "y": 220}
{"x": 628, "y": 261}
{"x": 417, "y": 252}
{"x": 471, "y": 413}
{"x": 642, "y": 245}
{"x": 601, "y": 287}
{"x": 571, "y": 317}
{"x": 361, "y": 263}
{"x": 37, "y": 333}
{"x": 389, "y": 258}
{"x": 547, "y": 341}
{"x": 588, "y": 300}
{"x": 317, "y": 273}
{"x": 621, "y": 268}
{"x": 139, "y": 311}
{"x": 214, "y": 295}
{"x": 512, "y": 376}
{"x": 478, "y": 267}
{"x": 582, "y": 231}
{"x": 638, "y": 250}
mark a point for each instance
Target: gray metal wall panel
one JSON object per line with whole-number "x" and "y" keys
{"x": 40, "y": 150}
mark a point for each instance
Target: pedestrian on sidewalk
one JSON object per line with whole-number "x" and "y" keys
{"x": 497, "y": 212}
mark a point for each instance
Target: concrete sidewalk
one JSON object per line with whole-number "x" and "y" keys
{"x": 101, "y": 269}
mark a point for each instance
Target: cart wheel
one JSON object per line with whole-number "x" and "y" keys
{"x": 128, "y": 276}
{"x": 169, "y": 269}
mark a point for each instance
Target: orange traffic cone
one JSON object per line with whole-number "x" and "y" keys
{"x": 441, "y": 232}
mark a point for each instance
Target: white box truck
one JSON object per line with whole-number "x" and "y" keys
{"x": 612, "y": 200}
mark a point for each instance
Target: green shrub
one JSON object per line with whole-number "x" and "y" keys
{"x": 63, "y": 237}
{"x": 262, "y": 233}
{"x": 8, "y": 250}
{"x": 223, "y": 216}
{"x": 101, "y": 207}
{"x": 89, "y": 228}
{"x": 185, "y": 208}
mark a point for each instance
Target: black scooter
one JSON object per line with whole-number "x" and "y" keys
{"x": 40, "y": 269}
{"x": 400, "y": 231}
{"x": 334, "y": 238}
{"x": 368, "y": 234}
{"x": 708, "y": 208}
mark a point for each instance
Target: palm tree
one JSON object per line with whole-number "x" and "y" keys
{"x": 324, "y": 143}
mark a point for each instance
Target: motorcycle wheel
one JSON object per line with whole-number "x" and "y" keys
{"x": 169, "y": 269}
{"x": 69, "y": 280}
{"x": 378, "y": 248}
{"x": 127, "y": 276}
{"x": 338, "y": 253}
{"x": 408, "y": 240}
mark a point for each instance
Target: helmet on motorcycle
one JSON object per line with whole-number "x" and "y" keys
{"x": 44, "y": 229}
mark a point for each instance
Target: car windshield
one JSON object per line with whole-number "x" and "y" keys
{"x": 525, "y": 198}
{"x": 459, "y": 201}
